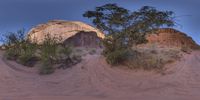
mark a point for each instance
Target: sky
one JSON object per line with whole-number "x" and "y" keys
{"x": 18, "y": 14}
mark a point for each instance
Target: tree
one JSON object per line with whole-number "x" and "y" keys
{"x": 124, "y": 28}
{"x": 146, "y": 21}
{"x": 12, "y": 37}
{"x": 109, "y": 18}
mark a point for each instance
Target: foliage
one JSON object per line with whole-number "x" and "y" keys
{"x": 11, "y": 54}
{"x": 145, "y": 59}
{"x": 49, "y": 47}
{"x": 146, "y": 62}
{"x": 53, "y": 53}
{"x": 18, "y": 48}
{"x": 47, "y": 67}
{"x": 48, "y": 54}
{"x": 109, "y": 18}
{"x": 27, "y": 55}
{"x": 66, "y": 51}
{"x": 13, "y": 38}
{"x": 125, "y": 28}
{"x": 117, "y": 56}
{"x": 12, "y": 42}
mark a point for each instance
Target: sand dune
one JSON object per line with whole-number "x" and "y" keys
{"x": 93, "y": 79}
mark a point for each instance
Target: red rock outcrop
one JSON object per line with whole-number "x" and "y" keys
{"x": 168, "y": 37}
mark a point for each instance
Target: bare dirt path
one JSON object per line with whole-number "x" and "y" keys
{"x": 93, "y": 79}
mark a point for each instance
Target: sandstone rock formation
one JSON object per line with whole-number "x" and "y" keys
{"x": 61, "y": 28}
{"x": 171, "y": 38}
{"x": 86, "y": 39}
{"x": 72, "y": 31}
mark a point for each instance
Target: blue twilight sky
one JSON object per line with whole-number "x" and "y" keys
{"x": 17, "y": 14}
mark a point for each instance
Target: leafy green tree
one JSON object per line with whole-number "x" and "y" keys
{"x": 124, "y": 28}
{"x": 12, "y": 41}
{"x": 109, "y": 18}
{"x": 146, "y": 21}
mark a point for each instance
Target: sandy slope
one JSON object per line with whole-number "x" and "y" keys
{"x": 93, "y": 79}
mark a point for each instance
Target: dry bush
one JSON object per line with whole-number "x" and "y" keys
{"x": 148, "y": 60}
{"x": 145, "y": 62}
{"x": 49, "y": 53}
{"x": 27, "y": 55}
{"x": 19, "y": 49}
{"x": 54, "y": 55}
{"x": 117, "y": 57}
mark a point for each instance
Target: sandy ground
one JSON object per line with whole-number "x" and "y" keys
{"x": 93, "y": 79}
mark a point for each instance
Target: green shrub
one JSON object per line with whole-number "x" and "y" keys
{"x": 46, "y": 68}
{"x": 66, "y": 50}
{"x": 48, "y": 54}
{"x": 12, "y": 41}
{"x": 153, "y": 63}
{"x": 145, "y": 62}
{"x": 12, "y": 53}
{"x": 49, "y": 48}
{"x": 27, "y": 54}
{"x": 117, "y": 57}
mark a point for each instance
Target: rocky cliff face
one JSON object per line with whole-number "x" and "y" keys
{"x": 84, "y": 39}
{"x": 171, "y": 38}
{"x": 61, "y": 28}
{"x": 166, "y": 37}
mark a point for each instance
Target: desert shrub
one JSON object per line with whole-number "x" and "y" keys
{"x": 153, "y": 63}
{"x": 67, "y": 58}
{"x": 12, "y": 53}
{"x": 53, "y": 53}
{"x": 12, "y": 43}
{"x": 145, "y": 62}
{"x": 63, "y": 53}
{"x": 27, "y": 54}
{"x": 47, "y": 67}
{"x": 124, "y": 28}
{"x": 115, "y": 52}
{"x": 18, "y": 48}
{"x": 49, "y": 47}
{"x": 117, "y": 56}
{"x": 66, "y": 50}
{"x": 48, "y": 54}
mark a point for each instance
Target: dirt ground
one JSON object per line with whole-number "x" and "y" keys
{"x": 93, "y": 79}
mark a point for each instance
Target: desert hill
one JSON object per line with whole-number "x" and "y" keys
{"x": 94, "y": 79}
{"x": 165, "y": 37}
{"x": 61, "y": 28}
{"x": 168, "y": 37}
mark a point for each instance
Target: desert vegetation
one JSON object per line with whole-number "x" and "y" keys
{"x": 125, "y": 30}
{"x": 152, "y": 58}
{"x": 49, "y": 54}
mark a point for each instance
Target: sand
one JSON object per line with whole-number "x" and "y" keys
{"x": 93, "y": 79}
